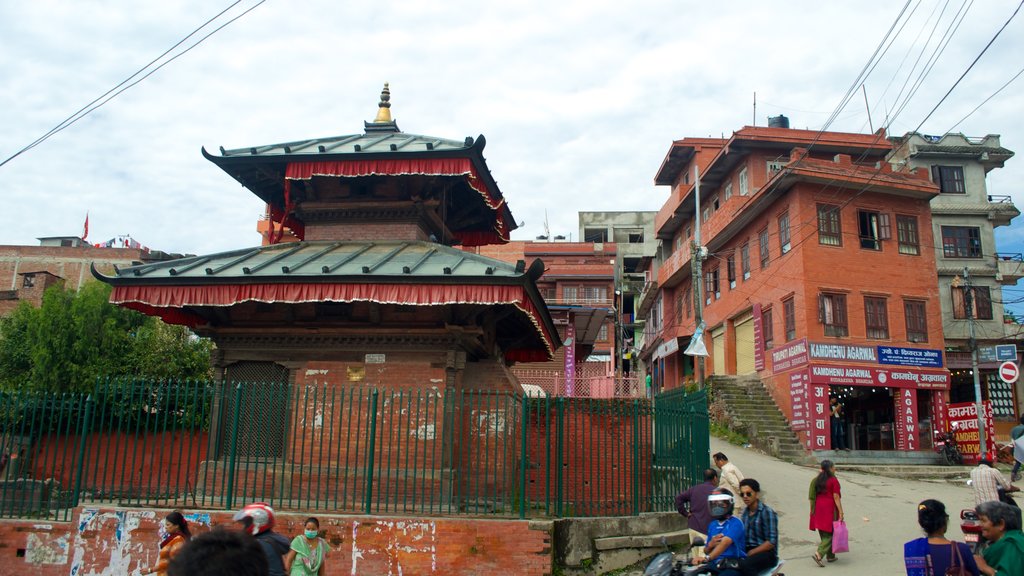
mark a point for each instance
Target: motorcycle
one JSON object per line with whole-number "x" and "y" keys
{"x": 970, "y": 525}
{"x": 666, "y": 564}
{"x": 945, "y": 444}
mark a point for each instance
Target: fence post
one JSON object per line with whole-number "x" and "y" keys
{"x": 370, "y": 447}
{"x": 232, "y": 455}
{"x": 636, "y": 457}
{"x": 83, "y": 442}
{"x": 524, "y": 459}
{"x": 560, "y": 426}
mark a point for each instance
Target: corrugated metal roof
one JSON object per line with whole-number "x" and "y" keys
{"x": 311, "y": 261}
{"x": 370, "y": 142}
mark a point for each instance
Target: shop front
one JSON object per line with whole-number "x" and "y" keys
{"x": 892, "y": 398}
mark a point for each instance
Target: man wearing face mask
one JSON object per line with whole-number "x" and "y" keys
{"x": 726, "y": 537}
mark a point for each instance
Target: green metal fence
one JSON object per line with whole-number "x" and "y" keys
{"x": 346, "y": 450}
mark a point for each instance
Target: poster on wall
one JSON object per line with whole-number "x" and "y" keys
{"x": 963, "y": 421}
{"x": 907, "y": 431}
{"x": 798, "y": 400}
{"x": 819, "y": 432}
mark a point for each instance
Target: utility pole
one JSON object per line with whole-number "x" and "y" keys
{"x": 973, "y": 344}
{"x": 696, "y": 257}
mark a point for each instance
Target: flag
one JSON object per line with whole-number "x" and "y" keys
{"x": 85, "y": 233}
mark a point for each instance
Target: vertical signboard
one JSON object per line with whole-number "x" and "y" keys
{"x": 798, "y": 400}
{"x": 758, "y": 338}
{"x": 570, "y": 358}
{"x": 819, "y": 432}
{"x": 963, "y": 421}
{"x": 907, "y": 432}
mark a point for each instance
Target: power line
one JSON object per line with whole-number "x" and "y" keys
{"x": 124, "y": 84}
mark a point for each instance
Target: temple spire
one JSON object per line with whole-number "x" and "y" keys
{"x": 383, "y": 121}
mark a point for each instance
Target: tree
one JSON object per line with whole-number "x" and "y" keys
{"x": 73, "y": 338}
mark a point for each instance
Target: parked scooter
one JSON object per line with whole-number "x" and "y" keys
{"x": 970, "y": 525}
{"x": 946, "y": 445}
{"x": 667, "y": 564}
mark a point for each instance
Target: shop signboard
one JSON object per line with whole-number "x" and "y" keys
{"x": 850, "y": 375}
{"x": 798, "y": 399}
{"x": 819, "y": 432}
{"x": 963, "y": 421}
{"x": 997, "y": 353}
{"x": 924, "y": 357}
{"x": 907, "y": 430}
{"x": 789, "y": 356}
{"x": 842, "y": 352}
{"x": 758, "y": 338}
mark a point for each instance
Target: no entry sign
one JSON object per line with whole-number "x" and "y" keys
{"x": 1009, "y": 372}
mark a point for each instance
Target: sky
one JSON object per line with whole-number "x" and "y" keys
{"x": 579, "y": 100}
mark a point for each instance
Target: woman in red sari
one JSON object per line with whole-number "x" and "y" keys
{"x": 826, "y": 507}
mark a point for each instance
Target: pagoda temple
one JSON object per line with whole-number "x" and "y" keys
{"x": 373, "y": 292}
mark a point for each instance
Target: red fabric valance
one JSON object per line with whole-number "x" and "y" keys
{"x": 424, "y": 166}
{"x": 168, "y": 302}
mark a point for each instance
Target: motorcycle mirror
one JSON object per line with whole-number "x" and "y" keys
{"x": 697, "y": 542}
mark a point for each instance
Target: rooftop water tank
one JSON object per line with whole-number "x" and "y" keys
{"x": 779, "y": 121}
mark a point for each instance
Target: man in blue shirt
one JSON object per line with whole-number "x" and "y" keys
{"x": 726, "y": 538}
{"x": 761, "y": 526}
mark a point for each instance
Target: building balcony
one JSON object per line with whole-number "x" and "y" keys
{"x": 1001, "y": 210}
{"x": 645, "y": 300}
{"x": 675, "y": 268}
{"x": 1011, "y": 267}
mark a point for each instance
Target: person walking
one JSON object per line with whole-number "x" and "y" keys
{"x": 177, "y": 534}
{"x": 934, "y": 554}
{"x": 1000, "y": 525}
{"x": 826, "y": 507}
{"x": 837, "y": 422}
{"x": 306, "y": 558}
{"x": 987, "y": 482}
{"x": 1017, "y": 437}
{"x": 693, "y": 504}
{"x": 258, "y": 520}
{"x": 761, "y": 527}
{"x": 730, "y": 475}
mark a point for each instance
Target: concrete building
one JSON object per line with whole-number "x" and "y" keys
{"x": 964, "y": 219}
{"x": 819, "y": 278}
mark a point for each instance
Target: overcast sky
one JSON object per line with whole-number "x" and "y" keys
{"x": 579, "y": 100}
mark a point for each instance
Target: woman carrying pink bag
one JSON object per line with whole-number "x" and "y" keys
{"x": 826, "y": 513}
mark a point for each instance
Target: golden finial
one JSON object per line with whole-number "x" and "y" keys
{"x": 384, "y": 107}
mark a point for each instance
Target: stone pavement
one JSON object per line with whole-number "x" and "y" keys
{"x": 881, "y": 511}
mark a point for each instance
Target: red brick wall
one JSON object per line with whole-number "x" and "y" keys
{"x": 120, "y": 541}
{"x": 346, "y": 231}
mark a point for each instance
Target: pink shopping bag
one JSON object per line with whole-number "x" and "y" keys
{"x": 840, "y": 537}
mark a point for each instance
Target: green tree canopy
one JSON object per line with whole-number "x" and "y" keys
{"x": 73, "y": 338}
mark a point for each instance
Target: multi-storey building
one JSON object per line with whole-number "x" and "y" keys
{"x": 819, "y": 277}
{"x": 971, "y": 270}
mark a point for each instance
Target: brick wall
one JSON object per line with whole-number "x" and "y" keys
{"x": 121, "y": 541}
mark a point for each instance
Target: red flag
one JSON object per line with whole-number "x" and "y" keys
{"x": 85, "y": 233}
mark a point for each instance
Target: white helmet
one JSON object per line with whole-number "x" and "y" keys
{"x": 720, "y": 504}
{"x": 260, "y": 514}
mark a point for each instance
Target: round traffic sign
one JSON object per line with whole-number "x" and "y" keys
{"x": 1009, "y": 372}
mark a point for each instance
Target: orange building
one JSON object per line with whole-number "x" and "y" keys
{"x": 819, "y": 278}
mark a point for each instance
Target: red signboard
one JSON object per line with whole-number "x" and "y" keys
{"x": 963, "y": 421}
{"x": 895, "y": 377}
{"x": 758, "y": 338}
{"x": 819, "y": 433}
{"x": 907, "y": 431}
{"x": 940, "y": 416}
{"x": 798, "y": 395}
{"x": 789, "y": 356}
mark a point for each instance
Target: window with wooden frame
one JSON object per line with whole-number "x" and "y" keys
{"x": 832, "y": 314}
{"x": 730, "y": 270}
{"x": 950, "y": 179}
{"x": 876, "y": 317}
{"x": 907, "y": 236}
{"x": 873, "y": 227}
{"x": 917, "y": 321}
{"x": 767, "y": 329}
{"x": 830, "y": 229}
{"x": 980, "y": 304}
{"x": 744, "y": 182}
{"x": 789, "y": 318}
{"x": 679, "y": 307}
{"x": 745, "y": 260}
{"x": 784, "y": 243}
{"x": 961, "y": 242}
{"x": 765, "y": 254}
{"x": 728, "y": 190}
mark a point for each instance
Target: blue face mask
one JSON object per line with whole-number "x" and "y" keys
{"x": 311, "y": 534}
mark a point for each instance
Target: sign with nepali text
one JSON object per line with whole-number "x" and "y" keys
{"x": 963, "y": 421}
{"x": 838, "y": 375}
{"x": 925, "y": 357}
{"x": 798, "y": 399}
{"x": 818, "y": 436}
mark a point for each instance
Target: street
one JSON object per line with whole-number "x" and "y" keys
{"x": 881, "y": 513}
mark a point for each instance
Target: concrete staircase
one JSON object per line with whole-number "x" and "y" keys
{"x": 752, "y": 412}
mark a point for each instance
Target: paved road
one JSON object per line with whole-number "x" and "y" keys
{"x": 881, "y": 513}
